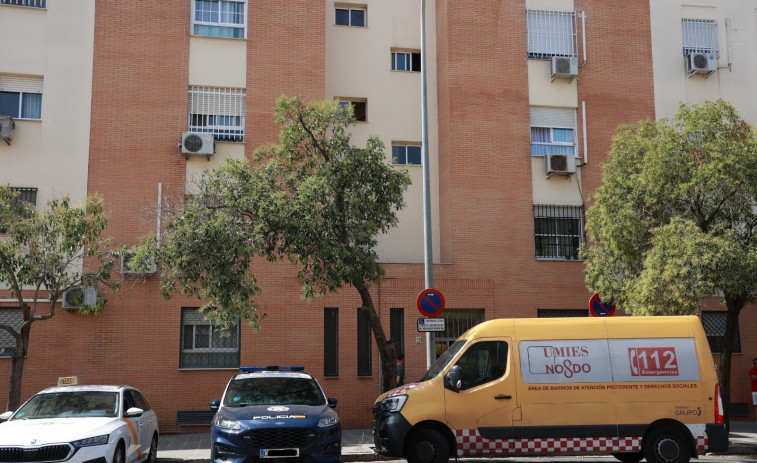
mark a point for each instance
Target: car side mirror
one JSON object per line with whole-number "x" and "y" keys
{"x": 332, "y": 402}
{"x": 134, "y": 412}
{"x": 214, "y": 404}
{"x": 452, "y": 379}
{"x": 5, "y": 416}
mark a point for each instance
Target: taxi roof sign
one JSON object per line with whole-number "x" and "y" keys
{"x": 68, "y": 381}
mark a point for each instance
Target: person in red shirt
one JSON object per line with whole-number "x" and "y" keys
{"x": 753, "y": 377}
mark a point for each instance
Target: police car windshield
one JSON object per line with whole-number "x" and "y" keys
{"x": 273, "y": 391}
{"x": 79, "y": 404}
{"x": 443, "y": 360}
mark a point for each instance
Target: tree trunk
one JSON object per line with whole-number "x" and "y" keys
{"x": 17, "y": 372}
{"x": 386, "y": 349}
{"x": 734, "y": 304}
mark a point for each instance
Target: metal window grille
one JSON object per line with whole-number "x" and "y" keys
{"x": 714, "y": 327}
{"x": 551, "y": 33}
{"x": 397, "y": 328}
{"x": 25, "y": 195}
{"x": 330, "y": 341}
{"x": 561, "y": 313}
{"x": 457, "y": 322}
{"x": 30, "y": 3}
{"x": 558, "y": 231}
{"x": 220, "y": 111}
{"x": 12, "y": 317}
{"x": 205, "y": 345}
{"x": 699, "y": 36}
{"x": 364, "y": 364}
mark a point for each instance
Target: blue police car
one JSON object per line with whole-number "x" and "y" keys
{"x": 276, "y": 414}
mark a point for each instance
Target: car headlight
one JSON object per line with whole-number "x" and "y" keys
{"x": 90, "y": 441}
{"x": 393, "y": 403}
{"x": 226, "y": 422}
{"x": 330, "y": 418}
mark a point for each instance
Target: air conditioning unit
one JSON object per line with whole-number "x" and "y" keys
{"x": 78, "y": 296}
{"x": 6, "y": 125}
{"x": 562, "y": 164}
{"x": 701, "y": 63}
{"x": 565, "y": 67}
{"x": 200, "y": 144}
{"x": 151, "y": 266}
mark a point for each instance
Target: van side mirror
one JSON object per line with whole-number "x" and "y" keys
{"x": 452, "y": 379}
{"x": 214, "y": 404}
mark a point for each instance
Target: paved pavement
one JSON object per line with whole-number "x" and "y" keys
{"x": 357, "y": 444}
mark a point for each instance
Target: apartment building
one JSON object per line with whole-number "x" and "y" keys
{"x": 133, "y": 100}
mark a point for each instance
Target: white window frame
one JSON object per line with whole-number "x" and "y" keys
{"x": 220, "y": 24}
{"x": 23, "y": 85}
{"x": 699, "y": 36}
{"x": 551, "y": 33}
{"x": 405, "y": 145}
{"x": 343, "y": 102}
{"x": 208, "y": 104}
{"x": 551, "y": 119}
{"x": 407, "y": 57}
{"x": 349, "y": 9}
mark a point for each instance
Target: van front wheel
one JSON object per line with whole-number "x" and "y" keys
{"x": 666, "y": 445}
{"x": 428, "y": 446}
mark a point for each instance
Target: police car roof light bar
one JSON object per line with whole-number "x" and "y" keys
{"x": 270, "y": 368}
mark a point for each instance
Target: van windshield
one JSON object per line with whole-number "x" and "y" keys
{"x": 443, "y": 360}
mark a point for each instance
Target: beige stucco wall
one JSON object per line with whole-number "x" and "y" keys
{"x": 737, "y": 60}
{"x": 394, "y": 104}
{"x": 57, "y": 44}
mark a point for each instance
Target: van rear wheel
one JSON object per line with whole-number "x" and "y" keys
{"x": 666, "y": 445}
{"x": 428, "y": 446}
{"x": 629, "y": 457}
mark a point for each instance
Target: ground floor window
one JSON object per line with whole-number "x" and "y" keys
{"x": 714, "y": 327}
{"x": 205, "y": 345}
{"x": 457, "y": 322}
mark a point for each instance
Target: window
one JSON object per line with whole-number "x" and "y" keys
{"x": 406, "y": 154}
{"x": 482, "y": 362}
{"x": 359, "y": 108}
{"x": 133, "y": 398}
{"x": 12, "y": 317}
{"x": 551, "y": 33}
{"x": 364, "y": 364}
{"x": 30, "y": 3}
{"x": 21, "y": 97}
{"x": 553, "y": 131}
{"x": 714, "y": 328}
{"x": 457, "y": 322}
{"x": 561, "y": 313}
{"x": 220, "y": 18}
{"x": 558, "y": 231}
{"x": 25, "y": 195}
{"x": 699, "y": 36}
{"x": 397, "y": 328}
{"x": 204, "y": 345}
{"x": 349, "y": 16}
{"x": 409, "y": 61}
{"x": 331, "y": 342}
{"x": 219, "y": 111}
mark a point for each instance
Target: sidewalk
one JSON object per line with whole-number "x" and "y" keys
{"x": 357, "y": 444}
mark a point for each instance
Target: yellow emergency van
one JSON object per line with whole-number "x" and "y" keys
{"x": 632, "y": 387}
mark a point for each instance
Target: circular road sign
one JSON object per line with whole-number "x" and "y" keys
{"x": 430, "y": 302}
{"x": 599, "y": 308}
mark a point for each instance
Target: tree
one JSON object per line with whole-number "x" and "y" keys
{"x": 675, "y": 220}
{"x": 313, "y": 199}
{"x": 42, "y": 255}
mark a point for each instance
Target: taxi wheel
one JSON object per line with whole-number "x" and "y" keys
{"x": 152, "y": 457}
{"x": 629, "y": 457}
{"x": 428, "y": 446}
{"x": 665, "y": 444}
{"x": 118, "y": 457}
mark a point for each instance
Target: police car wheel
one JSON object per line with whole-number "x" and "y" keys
{"x": 629, "y": 457}
{"x": 666, "y": 445}
{"x": 428, "y": 446}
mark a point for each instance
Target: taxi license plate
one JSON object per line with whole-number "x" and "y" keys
{"x": 279, "y": 453}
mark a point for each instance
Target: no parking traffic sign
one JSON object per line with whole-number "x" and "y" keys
{"x": 599, "y": 308}
{"x": 430, "y": 302}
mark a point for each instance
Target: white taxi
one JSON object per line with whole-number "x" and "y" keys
{"x": 81, "y": 424}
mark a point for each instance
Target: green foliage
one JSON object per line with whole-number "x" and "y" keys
{"x": 675, "y": 218}
{"x": 44, "y": 251}
{"x": 313, "y": 198}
